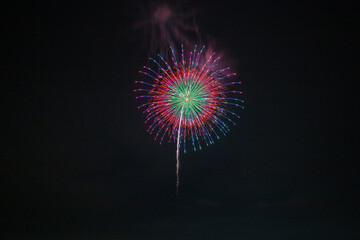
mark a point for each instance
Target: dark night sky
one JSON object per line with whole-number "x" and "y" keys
{"x": 77, "y": 162}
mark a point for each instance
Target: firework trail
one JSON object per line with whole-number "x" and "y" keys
{"x": 178, "y": 154}
{"x": 188, "y": 101}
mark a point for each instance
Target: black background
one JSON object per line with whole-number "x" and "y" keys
{"x": 77, "y": 162}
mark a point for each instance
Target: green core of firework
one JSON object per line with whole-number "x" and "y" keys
{"x": 188, "y": 95}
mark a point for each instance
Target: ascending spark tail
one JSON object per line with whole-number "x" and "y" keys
{"x": 178, "y": 155}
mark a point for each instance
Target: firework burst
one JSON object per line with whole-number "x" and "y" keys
{"x": 188, "y": 101}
